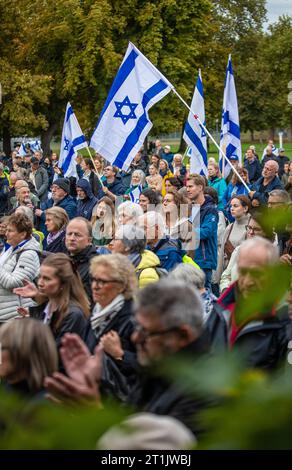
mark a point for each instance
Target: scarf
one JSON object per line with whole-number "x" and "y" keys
{"x": 100, "y": 316}
{"x": 52, "y": 236}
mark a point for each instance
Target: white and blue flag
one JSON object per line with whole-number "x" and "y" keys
{"x": 230, "y": 130}
{"x": 35, "y": 145}
{"x": 72, "y": 140}
{"x": 135, "y": 194}
{"x": 194, "y": 135}
{"x": 22, "y": 150}
{"x": 124, "y": 122}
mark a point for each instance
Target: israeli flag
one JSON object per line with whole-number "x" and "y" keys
{"x": 124, "y": 121}
{"x": 35, "y": 145}
{"x": 230, "y": 130}
{"x": 72, "y": 140}
{"x": 22, "y": 150}
{"x": 194, "y": 135}
{"x": 135, "y": 194}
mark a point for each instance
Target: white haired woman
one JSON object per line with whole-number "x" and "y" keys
{"x": 137, "y": 179}
{"x": 111, "y": 324}
{"x": 128, "y": 213}
{"x": 130, "y": 240}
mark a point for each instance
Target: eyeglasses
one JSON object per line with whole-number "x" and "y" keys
{"x": 144, "y": 334}
{"x": 103, "y": 282}
{"x": 251, "y": 229}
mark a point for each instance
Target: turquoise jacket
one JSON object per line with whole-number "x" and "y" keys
{"x": 220, "y": 185}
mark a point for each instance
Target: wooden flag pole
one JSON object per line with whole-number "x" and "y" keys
{"x": 96, "y": 172}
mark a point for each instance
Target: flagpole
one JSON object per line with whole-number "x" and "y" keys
{"x": 87, "y": 148}
{"x": 211, "y": 137}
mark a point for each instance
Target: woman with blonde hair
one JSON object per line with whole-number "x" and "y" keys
{"x": 63, "y": 303}
{"x": 29, "y": 354}
{"x": 176, "y": 212}
{"x": 56, "y": 223}
{"x": 114, "y": 284}
{"x": 103, "y": 222}
{"x": 128, "y": 213}
{"x": 165, "y": 173}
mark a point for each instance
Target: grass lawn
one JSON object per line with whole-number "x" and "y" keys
{"x": 213, "y": 152}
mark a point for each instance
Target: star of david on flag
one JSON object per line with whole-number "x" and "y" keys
{"x": 122, "y": 108}
{"x": 124, "y": 122}
{"x": 194, "y": 135}
{"x": 72, "y": 140}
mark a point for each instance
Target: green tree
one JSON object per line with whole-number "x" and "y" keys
{"x": 22, "y": 89}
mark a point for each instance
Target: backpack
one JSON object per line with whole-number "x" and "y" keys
{"x": 159, "y": 271}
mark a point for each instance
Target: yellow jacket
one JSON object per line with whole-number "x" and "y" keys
{"x": 146, "y": 269}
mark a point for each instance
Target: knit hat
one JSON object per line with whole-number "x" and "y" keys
{"x": 63, "y": 183}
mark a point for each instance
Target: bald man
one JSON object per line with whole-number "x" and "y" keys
{"x": 269, "y": 181}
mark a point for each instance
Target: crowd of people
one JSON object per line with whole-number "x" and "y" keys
{"x": 105, "y": 275}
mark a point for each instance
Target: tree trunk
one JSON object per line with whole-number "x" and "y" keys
{"x": 46, "y": 137}
{"x": 182, "y": 144}
{"x": 6, "y": 141}
{"x": 252, "y": 135}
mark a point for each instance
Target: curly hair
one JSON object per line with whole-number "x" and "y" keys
{"x": 22, "y": 223}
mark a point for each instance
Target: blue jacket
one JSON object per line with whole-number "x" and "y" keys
{"x": 254, "y": 170}
{"x": 220, "y": 185}
{"x": 206, "y": 234}
{"x": 169, "y": 252}
{"x": 262, "y": 192}
{"x": 231, "y": 191}
{"x": 85, "y": 206}
{"x": 116, "y": 187}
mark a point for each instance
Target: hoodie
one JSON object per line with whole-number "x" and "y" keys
{"x": 85, "y": 206}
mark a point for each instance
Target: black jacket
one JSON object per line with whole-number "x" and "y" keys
{"x": 262, "y": 343}
{"x": 58, "y": 245}
{"x": 123, "y": 324}
{"x": 82, "y": 263}
{"x": 155, "y": 394}
{"x": 117, "y": 375}
{"x": 74, "y": 322}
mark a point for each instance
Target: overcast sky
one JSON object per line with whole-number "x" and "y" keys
{"x": 277, "y": 8}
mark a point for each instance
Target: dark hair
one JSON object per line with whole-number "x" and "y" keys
{"x": 244, "y": 200}
{"x": 151, "y": 195}
{"x": 175, "y": 181}
{"x": 213, "y": 193}
{"x": 89, "y": 163}
{"x": 22, "y": 223}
